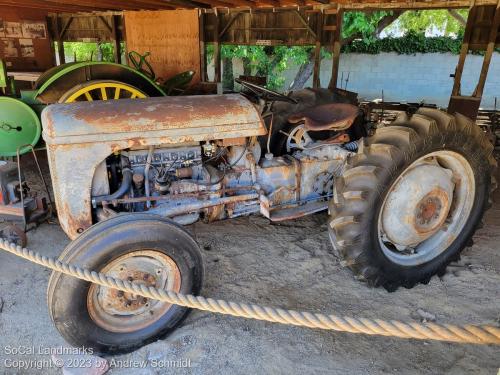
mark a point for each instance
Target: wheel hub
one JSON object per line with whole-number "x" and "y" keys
{"x": 418, "y": 204}
{"x": 429, "y": 213}
{"x": 123, "y": 303}
{"x": 118, "y": 311}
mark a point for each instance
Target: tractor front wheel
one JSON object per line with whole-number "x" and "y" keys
{"x": 411, "y": 199}
{"x": 141, "y": 248}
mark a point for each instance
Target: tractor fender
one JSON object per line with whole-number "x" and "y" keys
{"x": 56, "y": 81}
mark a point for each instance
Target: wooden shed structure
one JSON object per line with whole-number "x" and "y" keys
{"x": 176, "y": 31}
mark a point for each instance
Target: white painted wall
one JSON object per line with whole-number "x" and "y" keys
{"x": 410, "y": 78}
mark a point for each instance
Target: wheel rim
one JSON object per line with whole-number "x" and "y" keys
{"x": 103, "y": 91}
{"x": 426, "y": 208}
{"x": 125, "y": 312}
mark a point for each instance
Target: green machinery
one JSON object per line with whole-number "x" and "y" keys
{"x": 72, "y": 82}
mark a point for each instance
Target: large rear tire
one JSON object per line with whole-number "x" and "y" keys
{"x": 411, "y": 199}
{"x": 143, "y": 248}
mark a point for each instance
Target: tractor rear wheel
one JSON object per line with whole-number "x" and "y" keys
{"x": 411, "y": 198}
{"x": 101, "y": 90}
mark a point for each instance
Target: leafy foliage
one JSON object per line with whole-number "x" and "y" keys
{"x": 361, "y": 23}
{"x": 409, "y": 44}
{"x": 265, "y": 61}
{"x": 439, "y": 20}
{"x": 89, "y": 51}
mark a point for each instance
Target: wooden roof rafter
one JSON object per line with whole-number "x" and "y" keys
{"x": 72, "y": 6}
{"x": 84, "y": 6}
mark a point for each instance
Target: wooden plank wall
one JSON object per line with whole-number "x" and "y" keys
{"x": 32, "y": 53}
{"x": 282, "y": 27}
{"x": 172, "y": 37}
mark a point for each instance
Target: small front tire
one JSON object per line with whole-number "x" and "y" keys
{"x": 143, "y": 248}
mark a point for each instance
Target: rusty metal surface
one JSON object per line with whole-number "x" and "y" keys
{"x": 80, "y": 136}
{"x": 72, "y": 170}
{"x": 184, "y": 206}
{"x": 408, "y": 199}
{"x": 169, "y": 119}
{"x": 426, "y": 208}
{"x": 108, "y": 307}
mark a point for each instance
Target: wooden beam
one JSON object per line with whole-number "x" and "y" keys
{"x": 305, "y": 23}
{"x": 274, "y": 3}
{"x": 63, "y": 30}
{"x": 116, "y": 39}
{"x": 457, "y": 79}
{"x": 217, "y": 76}
{"x": 228, "y": 24}
{"x": 229, "y": 4}
{"x": 407, "y": 5}
{"x": 60, "y": 44}
{"x": 88, "y": 14}
{"x": 48, "y": 7}
{"x": 317, "y": 51}
{"x": 203, "y": 54}
{"x": 79, "y": 5}
{"x": 337, "y": 43}
{"x": 105, "y": 23}
{"x": 478, "y": 92}
{"x": 124, "y": 5}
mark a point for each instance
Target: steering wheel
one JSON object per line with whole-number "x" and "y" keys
{"x": 139, "y": 61}
{"x": 267, "y": 94}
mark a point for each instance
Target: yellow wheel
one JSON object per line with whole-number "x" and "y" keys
{"x": 101, "y": 90}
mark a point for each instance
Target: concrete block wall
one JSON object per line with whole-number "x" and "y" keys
{"x": 411, "y": 78}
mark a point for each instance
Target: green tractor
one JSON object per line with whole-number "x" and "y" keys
{"x": 74, "y": 82}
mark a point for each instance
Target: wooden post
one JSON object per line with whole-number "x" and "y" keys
{"x": 317, "y": 51}
{"x": 60, "y": 45}
{"x": 337, "y": 43}
{"x": 203, "y": 55}
{"x": 116, "y": 39}
{"x": 457, "y": 79}
{"x": 217, "y": 76}
{"x": 478, "y": 92}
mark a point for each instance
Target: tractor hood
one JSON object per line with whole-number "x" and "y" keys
{"x": 152, "y": 121}
{"x": 80, "y": 136}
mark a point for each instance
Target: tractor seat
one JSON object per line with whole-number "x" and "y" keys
{"x": 334, "y": 116}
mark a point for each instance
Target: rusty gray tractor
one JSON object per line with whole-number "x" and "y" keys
{"x": 404, "y": 199}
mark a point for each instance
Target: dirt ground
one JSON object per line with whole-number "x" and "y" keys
{"x": 291, "y": 266}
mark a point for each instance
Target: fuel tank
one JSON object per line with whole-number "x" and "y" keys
{"x": 80, "y": 136}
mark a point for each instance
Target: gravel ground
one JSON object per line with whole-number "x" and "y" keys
{"x": 291, "y": 266}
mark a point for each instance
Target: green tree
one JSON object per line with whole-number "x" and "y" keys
{"x": 85, "y": 51}
{"x": 441, "y": 20}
